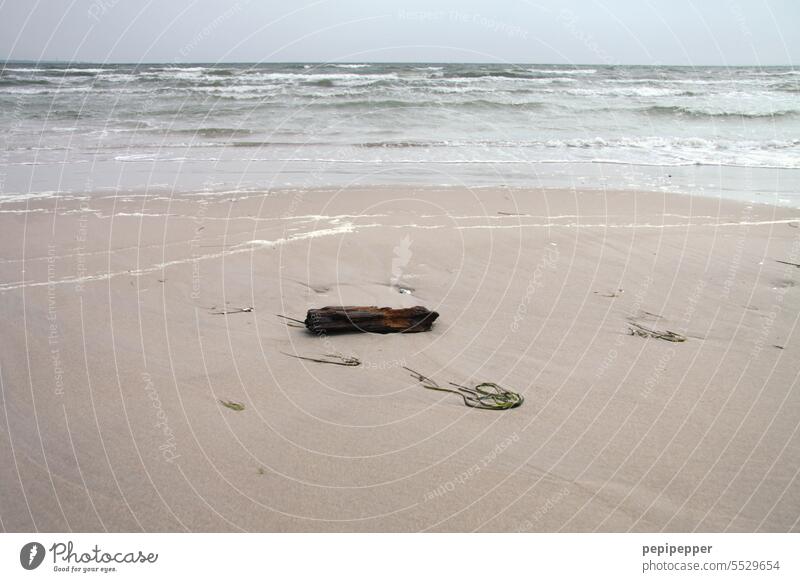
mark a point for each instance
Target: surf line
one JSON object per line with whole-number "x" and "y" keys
{"x": 244, "y": 247}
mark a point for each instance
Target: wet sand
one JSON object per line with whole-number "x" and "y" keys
{"x": 122, "y": 336}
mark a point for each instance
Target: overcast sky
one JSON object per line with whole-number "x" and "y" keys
{"x": 685, "y": 32}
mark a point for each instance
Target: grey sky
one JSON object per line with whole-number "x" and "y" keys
{"x": 698, "y": 32}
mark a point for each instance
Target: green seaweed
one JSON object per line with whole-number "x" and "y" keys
{"x": 237, "y": 406}
{"x": 486, "y": 395}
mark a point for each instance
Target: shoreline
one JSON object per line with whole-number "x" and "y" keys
{"x": 115, "y": 307}
{"x": 158, "y": 193}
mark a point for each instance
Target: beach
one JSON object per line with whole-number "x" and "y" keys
{"x": 130, "y": 318}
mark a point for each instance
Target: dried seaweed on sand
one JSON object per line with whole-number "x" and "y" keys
{"x": 291, "y": 321}
{"x": 335, "y": 359}
{"x": 233, "y": 310}
{"x": 642, "y": 331}
{"x": 788, "y": 263}
{"x": 486, "y": 395}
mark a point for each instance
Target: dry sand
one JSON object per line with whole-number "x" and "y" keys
{"x": 114, "y": 363}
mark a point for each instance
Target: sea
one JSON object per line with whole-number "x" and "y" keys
{"x": 76, "y": 129}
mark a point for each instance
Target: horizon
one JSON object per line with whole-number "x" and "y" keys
{"x": 367, "y": 62}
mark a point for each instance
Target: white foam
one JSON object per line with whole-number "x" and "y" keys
{"x": 246, "y": 247}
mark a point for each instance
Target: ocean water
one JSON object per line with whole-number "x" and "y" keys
{"x": 731, "y": 132}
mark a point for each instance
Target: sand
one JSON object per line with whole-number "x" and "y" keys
{"x": 114, "y": 358}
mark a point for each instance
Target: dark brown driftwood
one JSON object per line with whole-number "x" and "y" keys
{"x": 370, "y": 319}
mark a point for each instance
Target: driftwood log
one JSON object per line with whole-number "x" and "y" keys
{"x": 370, "y": 319}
